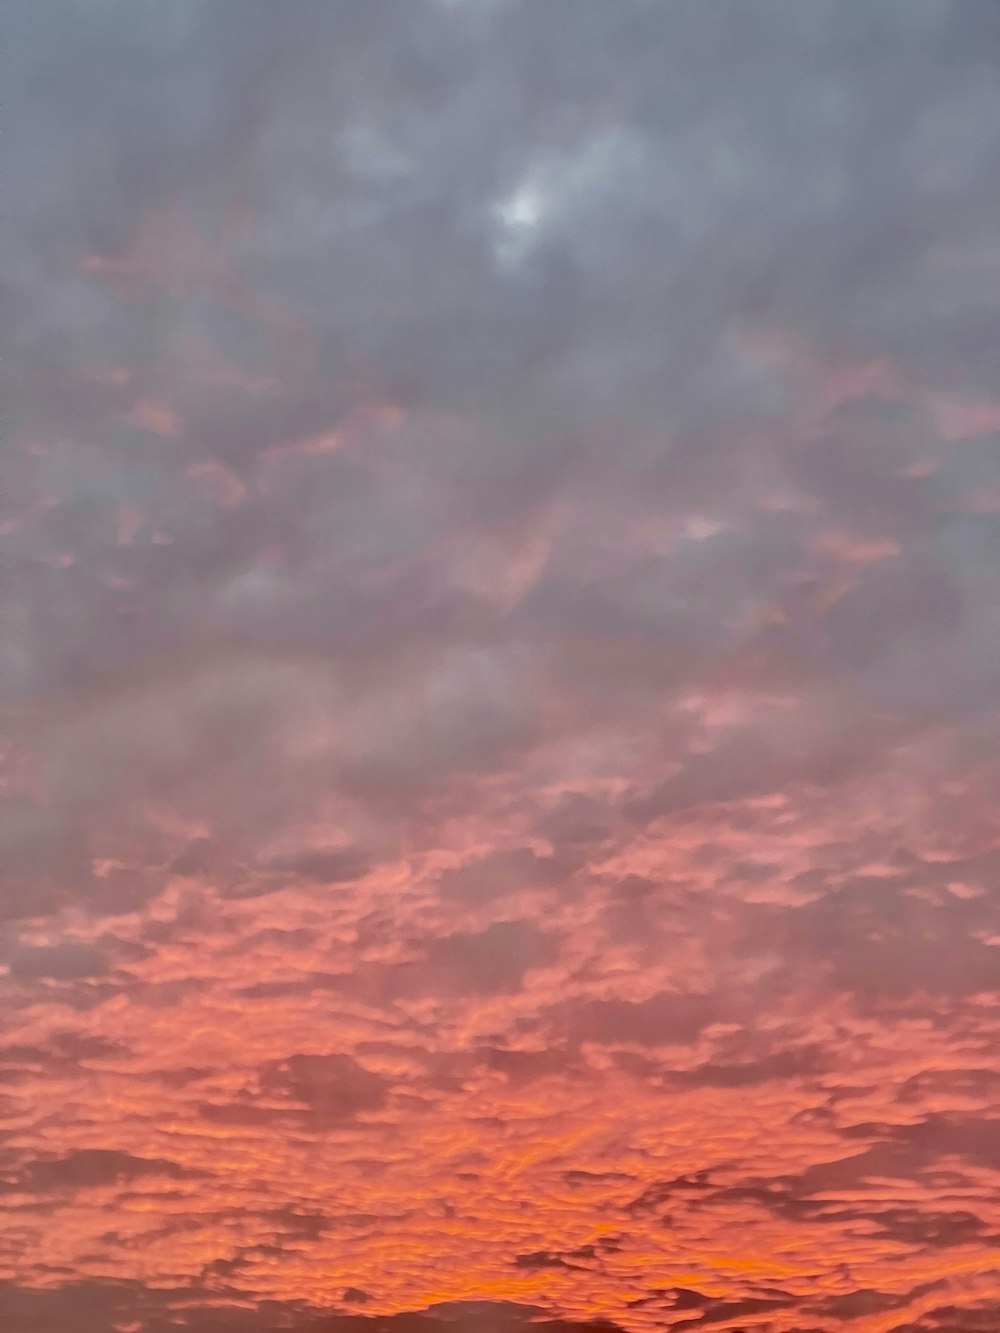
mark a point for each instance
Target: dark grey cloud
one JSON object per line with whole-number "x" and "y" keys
{"x": 635, "y": 631}
{"x": 315, "y": 1091}
{"x": 92, "y": 1304}
{"x": 66, "y": 1053}
{"x": 976, "y": 1318}
{"x": 87, "y": 1168}
{"x": 68, "y": 961}
{"x": 500, "y": 873}
{"x": 332, "y": 1086}
{"x": 491, "y": 960}
{"x": 854, "y": 1187}
{"x": 662, "y": 1019}
{"x": 782, "y": 1064}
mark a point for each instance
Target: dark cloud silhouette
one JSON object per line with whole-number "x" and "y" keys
{"x": 499, "y": 874}
{"x": 331, "y": 1085}
{"x": 87, "y": 1168}
{"x": 69, "y": 961}
{"x": 494, "y": 959}
{"x": 90, "y": 1303}
{"x": 662, "y": 1019}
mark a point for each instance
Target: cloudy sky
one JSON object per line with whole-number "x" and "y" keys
{"x": 501, "y": 666}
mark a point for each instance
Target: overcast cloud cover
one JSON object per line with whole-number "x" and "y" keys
{"x": 501, "y": 665}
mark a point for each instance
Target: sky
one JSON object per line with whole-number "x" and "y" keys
{"x": 501, "y": 666}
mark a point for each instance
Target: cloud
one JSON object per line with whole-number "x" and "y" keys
{"x": 662, "y": 1019}
{"x": 91, "y": 1303}
{"x": 69, "y": 961}
{"x": 499, "y": 874}
{"x": 88, "y": 1168}
{"x": 500, "y": 665}
{"x": 332, "y": 1086}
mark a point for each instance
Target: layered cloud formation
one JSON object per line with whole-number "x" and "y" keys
{"x": 502, "y": 666}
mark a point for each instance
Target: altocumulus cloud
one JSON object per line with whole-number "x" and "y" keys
{"x": 502, "y": 664}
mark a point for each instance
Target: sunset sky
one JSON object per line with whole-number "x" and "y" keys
{"x": 501, "y": 666}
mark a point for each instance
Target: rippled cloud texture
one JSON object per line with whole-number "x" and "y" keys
{"x": 502, "y": 666}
